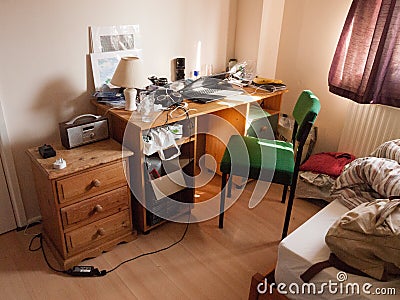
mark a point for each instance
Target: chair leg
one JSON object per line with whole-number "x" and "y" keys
{"x": 229, "y": 194}
{"x": 285, "y": 188}
{"x": 288, "y": 211}
{"x": 222, "y": 201}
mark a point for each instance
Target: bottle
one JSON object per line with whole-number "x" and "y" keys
{"x": 232, "y": 62}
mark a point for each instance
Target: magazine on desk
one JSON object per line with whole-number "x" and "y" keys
{"x": 111, "y": 98}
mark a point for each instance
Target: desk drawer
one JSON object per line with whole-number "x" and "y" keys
{"x": 99, "y": 231}
{"x": 91, "y": 183}
{"x": 96, "y": 208}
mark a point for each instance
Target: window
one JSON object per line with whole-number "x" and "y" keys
{"x": 366, "y": 64}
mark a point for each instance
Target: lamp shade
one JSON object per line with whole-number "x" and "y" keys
{"x": 124, "y": 75}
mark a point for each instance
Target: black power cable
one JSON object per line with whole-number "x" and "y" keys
{"x": 90, "y": 271}
{"x": 40, "y": 237}
{"x": 155, "y": 251}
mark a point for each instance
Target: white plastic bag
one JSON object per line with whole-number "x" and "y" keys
{"x": 158, "y": 140}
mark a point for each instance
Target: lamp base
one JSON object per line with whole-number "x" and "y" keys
{"x": 130, "y": 99}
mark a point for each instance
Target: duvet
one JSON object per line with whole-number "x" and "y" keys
{"x": 368, "y": 178}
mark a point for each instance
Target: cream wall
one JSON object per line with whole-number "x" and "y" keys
{"x": 294, "y": 40}
{"x": 310, "y": 31}
{"x": 270, "y": 34}
{"x": 258, "y": 33}
{"x": 45, "y": 75}
{"x": 248, "y": 28}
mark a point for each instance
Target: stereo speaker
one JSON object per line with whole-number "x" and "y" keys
{"x": 179, "y": 66}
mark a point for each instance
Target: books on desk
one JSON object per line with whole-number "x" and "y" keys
{"x": 110, "y": 98}
{"x": 112, "y": 103}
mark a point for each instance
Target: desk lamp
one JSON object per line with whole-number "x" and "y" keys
{"x": 124, "y": 76}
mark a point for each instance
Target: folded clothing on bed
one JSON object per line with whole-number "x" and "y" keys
{"x": 312, "y": 185}
{"x": 329, "y": 163}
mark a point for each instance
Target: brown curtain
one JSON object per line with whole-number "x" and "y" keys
{"x": 366, "y": 64}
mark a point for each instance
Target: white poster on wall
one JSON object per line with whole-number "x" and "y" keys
{"x": 115, "y": 38}
{"x": 109, "y": 44}
{"x": 104, "y": 65}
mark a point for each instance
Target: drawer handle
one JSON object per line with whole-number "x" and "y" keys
{"x": 96, "y": 182}
{"x": 101, "y": 231}
{"x": 98, "y": 208}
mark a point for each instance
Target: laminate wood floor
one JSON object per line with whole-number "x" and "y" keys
{"x": 209, "y": 263}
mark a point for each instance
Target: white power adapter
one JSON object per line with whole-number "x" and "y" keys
{"x": 60, "y": 164}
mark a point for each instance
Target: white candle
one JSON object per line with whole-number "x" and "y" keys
{"x": 198, "y": 57}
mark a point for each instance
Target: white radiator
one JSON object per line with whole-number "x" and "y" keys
{"x": 368, "y": 126}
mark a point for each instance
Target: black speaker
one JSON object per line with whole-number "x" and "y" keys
{"x": 180, "y": 63}
{"x": 179, "y": 68}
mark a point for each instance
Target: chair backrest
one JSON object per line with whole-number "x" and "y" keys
{"x": 304, "y": 113}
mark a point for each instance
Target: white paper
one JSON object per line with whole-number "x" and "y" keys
{"x": 115, "y": 38}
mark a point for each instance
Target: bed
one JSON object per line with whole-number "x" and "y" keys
{"x": 306, "y": 246}
{"x": 363, "y": 180}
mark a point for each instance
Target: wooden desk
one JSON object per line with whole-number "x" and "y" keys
{"x": 203, "y": 134}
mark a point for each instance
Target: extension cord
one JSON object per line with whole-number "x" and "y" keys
{"x": 85, "y": 271}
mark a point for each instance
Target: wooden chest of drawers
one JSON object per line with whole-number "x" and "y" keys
{"x": 86, "y": 207}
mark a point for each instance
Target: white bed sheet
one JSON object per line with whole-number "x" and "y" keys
{"x": 306, "y": 246}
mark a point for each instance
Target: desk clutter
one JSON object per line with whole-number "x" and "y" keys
{"x": 161, "y": 194}
{"x": 112, "y": 98}
{"x": 270, "y": 85}
{"x": 202, "y": 89}
{"x": 168, "y": 170}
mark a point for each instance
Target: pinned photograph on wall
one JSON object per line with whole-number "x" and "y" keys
{"x": 104, "y": 65}
{"x": 114, "y": 38}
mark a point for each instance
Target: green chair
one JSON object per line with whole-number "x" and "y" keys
{"x": 270, "y": 160}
